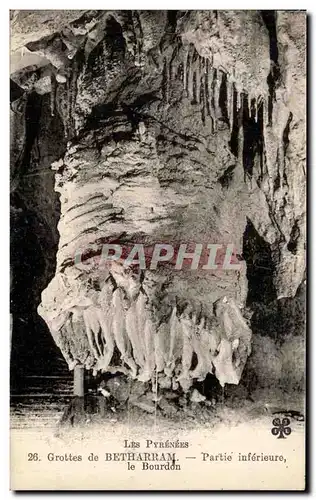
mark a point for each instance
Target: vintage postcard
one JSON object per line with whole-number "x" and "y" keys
{"x": 158, "y": 234}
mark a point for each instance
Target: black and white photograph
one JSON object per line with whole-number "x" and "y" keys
{"x": 158, "y": 250}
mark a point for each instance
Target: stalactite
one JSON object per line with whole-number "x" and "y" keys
{"x": 185, "y": 65}
{"x": 223, "y": 97}
{"x": 202, "y": 352}
{"x": 187, "y": 353}
{"x": 173, "y": 323}
{"x": 264, "y": 115}
{"x": 193, "y": 77}
{"x": 64, "y": 346}
{"x": 206, "y": 87}
{"x": 133, "y": 335}
{"x": 256, "y": 108}
{"x": 189, "y": 74}
{"x": 229, "y": 103}
{"x": 202, "y": 100}
{"x": 97, "y": 330}
{"x": 105, "y": 323}
{"x": 159, "y": 346}
{"x": 214, "y": 99}
{"x": 248, "y": 136}
{"x": 73, "y": 91}
{"x": 252, "y": 108}
{"x": 223, "y": 368}
{"x": 194, "y": 92}
{"x": 198, "y": 78}
{"x": 233, "y": 143}
{"x": 240, "y": 100}
{"x": 171, "y": 70}
{"x": 166, "y": 351}
{"x": 150, "y": 365}
{"x": 118, "y": 325}
{"x": 165, "y": 81}
{"x": 141, "y": 311}
{"x": 91, "y": 330}
{"x": 68, "y": 109}
{"x": 138, "y": 37}
{"x": 249, "y": 99}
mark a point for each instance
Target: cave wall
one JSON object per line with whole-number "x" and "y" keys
{"x": 34, "y": 214}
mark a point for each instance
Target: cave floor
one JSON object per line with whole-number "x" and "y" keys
{"x": 46, "y": 411}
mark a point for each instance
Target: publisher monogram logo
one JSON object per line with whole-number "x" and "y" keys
{"x": 281, "y": 428}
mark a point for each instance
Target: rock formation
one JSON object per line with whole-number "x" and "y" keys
{"x": 177, "y": 127}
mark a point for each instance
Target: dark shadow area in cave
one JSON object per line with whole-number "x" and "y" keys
{"x": 33, "y": 246}
{"x": 33, "y": 350}
{"x": 260, "y": 266}
{"x": 233, "y": 143}
{"x": 15, "y": 91}
{"x": 269, "y": 18}
{"x": 253, "y": 136}
{"x": 276, "y": 318}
